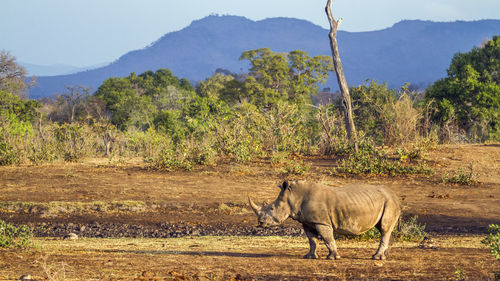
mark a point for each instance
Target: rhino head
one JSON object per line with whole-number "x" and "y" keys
{"x": 274, "y": 213}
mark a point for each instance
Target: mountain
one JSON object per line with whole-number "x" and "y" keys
{"x": 56, "y": 69}
{"x": 413, "y": 51}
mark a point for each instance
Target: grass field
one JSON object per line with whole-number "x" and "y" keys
{"x": 246, "y": 258}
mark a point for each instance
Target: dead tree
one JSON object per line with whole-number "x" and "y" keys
{"x": 344, "y": 89}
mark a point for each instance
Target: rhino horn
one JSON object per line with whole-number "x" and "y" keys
{"x": 256, "y": 208}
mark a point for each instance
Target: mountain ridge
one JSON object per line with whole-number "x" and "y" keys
{"x": 56, "y": 69}
{"x": 412, "y": 51}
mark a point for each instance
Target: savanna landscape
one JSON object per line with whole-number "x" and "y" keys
{"x": 148, "y": 177}
{"x": 134, "y": 223}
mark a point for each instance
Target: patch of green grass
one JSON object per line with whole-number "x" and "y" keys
{"x": 460, "y": 176}
{"x": 14, "y": 236}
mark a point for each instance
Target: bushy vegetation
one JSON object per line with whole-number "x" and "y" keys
{"x": 493, "y": 242}
{"x": 406, "y": 230}
{"x": 460, "y": 176}
{"x": 371, "y": 161}
{"x": 467, "y": 102}
{"x": 410, "y": 230}
{"x": 14, "y": 236}
{"x": 266, "y": 112}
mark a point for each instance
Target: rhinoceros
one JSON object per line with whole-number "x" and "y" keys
{"x": 325, "y": 210}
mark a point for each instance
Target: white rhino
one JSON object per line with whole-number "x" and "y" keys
{"x": 325, "y": 210}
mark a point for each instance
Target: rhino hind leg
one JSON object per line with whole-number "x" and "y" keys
{"x": 326, "y": 233}
{"x": 386, "y": 226}
{"x": 311, "y": 235}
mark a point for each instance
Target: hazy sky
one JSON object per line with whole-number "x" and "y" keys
{"x": 87, "y": 32}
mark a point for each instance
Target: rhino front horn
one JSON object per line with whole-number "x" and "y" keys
{"x": 254, "y": 206}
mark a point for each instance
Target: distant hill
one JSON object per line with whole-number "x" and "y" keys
{"x": 56, "y": 69}
{"x": 413, "y": 51}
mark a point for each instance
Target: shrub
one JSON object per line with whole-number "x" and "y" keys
{"x": 164, "y": 157}
{"x": 410, "y": 230}
{"x": 279, "y": 158}
{"x": 417, "y": 150}
{"x": 191, "y": 151}
{"x": 12, "y": 236}
{"x": 387, "y": 115}
{"x": 493, "y": 240}
{"x": 8, "y": 156}
{"x": 371, "y": 234}
{"x": 286, "y": 128}
{"x": 295, "y": 168}
{"x": 70, "y": 140}
{"x": 43, "y": 145}
{"x": 240, "y": 135}
{"x": 14, "y": 135}
{"x": 406, "y": 230}
{"x": 371, "y": 161}
{"x": 401, "y": 120}
{"x": 461, "y": 176}
{"x": 333, "y": 138}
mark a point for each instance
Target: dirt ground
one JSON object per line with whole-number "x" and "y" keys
{"x": 245, "y": 258}
{"x": 124, "y": 191}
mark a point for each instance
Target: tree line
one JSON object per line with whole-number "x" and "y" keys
{"x": 266, "y": 112}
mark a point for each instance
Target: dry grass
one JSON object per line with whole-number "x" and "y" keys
{"x": 261, "y": 258}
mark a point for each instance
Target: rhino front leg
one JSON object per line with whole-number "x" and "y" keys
{"x": 326, "y": 233}
{"x": 311, "y": 235}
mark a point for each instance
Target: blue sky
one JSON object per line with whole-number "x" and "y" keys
{"x": 88, "y": 32}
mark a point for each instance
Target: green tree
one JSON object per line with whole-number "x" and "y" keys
{"x": 135, "y": 101}
{"x": 292, "y": 77}
{"x": 371, "y": 101}
{"x": 16, "y": 117}
{"x": 213, "y": 86}
{"x": 470, "y": 94}
{"x": 24, "y": 110}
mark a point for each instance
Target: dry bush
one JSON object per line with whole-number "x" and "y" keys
{"x": 401, "y": 121}
{"x": 333, "y": 136}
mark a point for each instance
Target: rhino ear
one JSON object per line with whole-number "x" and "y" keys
{"x": 285, "y": 185}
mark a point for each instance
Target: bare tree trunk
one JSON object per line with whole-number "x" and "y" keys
{"x": 344, "y": 89}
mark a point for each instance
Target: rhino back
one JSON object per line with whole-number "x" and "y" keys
{"x": 349, "y": 210}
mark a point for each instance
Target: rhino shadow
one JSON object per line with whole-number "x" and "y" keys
{"x": 195, "y": 253}
{"x": 445, "y": 224}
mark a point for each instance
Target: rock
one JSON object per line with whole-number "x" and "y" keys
{"x": 25, "y": 277}
{"x": 70, "y": 236}
{"x": 427, "y": 243}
